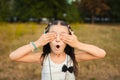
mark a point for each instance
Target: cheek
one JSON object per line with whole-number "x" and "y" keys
{"x": 63, "y": 45}
{"x": 52, "y": 44}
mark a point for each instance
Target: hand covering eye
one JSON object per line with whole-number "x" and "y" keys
{"x": 65, "y": 68}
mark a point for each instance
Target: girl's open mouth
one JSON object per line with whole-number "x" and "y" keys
{"x": 57, "y": 46}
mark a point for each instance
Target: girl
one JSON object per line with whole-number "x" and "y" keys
{"x": 58, "y": 59}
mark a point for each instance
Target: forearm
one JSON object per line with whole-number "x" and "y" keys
{"x": 22, "y": 51}
{"x": 91, "y": 49}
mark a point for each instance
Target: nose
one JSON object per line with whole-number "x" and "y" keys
{"x": 58, "y": 38}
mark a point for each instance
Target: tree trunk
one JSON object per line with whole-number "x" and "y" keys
{"x": 92, "y": 19}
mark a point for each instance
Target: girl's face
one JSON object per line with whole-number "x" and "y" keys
{"x": 57, "y": 45}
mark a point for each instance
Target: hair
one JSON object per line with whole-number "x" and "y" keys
{"x": 68, "y": 49}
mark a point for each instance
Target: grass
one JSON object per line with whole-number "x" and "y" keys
{"x": 106, "y": 36}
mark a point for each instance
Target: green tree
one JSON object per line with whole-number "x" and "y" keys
{"x": 4, "y": 9}
{"x": 72, "y": 13}
{"x": 25, "y": 9}
{"x": 94, "y": 8}
{"x": 115, "y": 10}
{"x": 39, "y": 8}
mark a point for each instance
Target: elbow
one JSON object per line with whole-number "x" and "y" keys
{"x": 102, "y": 54}
{"x": 11, "y": 57}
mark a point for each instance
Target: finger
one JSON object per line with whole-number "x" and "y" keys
{"x": 52, "y": 33}
{"x": 66, "y": 40}
{"x": 49, "y": 36}
{"x": 68, "y": 37}
{"x": 65, "y": 36}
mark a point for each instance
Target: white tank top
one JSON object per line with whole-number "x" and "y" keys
{"x": 56, "y": 70}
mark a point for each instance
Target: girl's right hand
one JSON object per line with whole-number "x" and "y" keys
{"x": 45, "y": 38}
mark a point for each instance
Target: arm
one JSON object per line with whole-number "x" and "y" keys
{"x": 25, "y": 54}
{"x": 86, "y": 51}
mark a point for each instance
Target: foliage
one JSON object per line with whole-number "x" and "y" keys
{"x": 94, "y": 8}
{"x": 72, "y": 14}
{"x": 39, "y": 8}
{"x": 115, "y": 10}
{"x": 4, "y": 10}
{"x": 23, "y": 10}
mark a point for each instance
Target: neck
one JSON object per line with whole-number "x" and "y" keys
{"x": 58, "y": 54}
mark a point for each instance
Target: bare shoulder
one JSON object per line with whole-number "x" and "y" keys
{"x": 31, "y": 58}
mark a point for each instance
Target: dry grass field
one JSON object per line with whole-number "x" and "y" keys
{"x": 106, "y": 36}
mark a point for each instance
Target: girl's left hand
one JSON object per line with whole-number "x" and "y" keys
{"x": 70, "y": 39}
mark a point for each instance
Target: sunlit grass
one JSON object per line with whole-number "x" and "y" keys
{"x": 105, "y": 36}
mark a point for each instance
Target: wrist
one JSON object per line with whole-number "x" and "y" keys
{"x": 37, "y": 44}
{"x": 34, "y": 46}
{"x": 80, "y": 45}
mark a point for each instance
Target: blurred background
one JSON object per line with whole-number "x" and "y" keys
{"x": 95, "y": 22}
{"x": 69, "y": 10}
